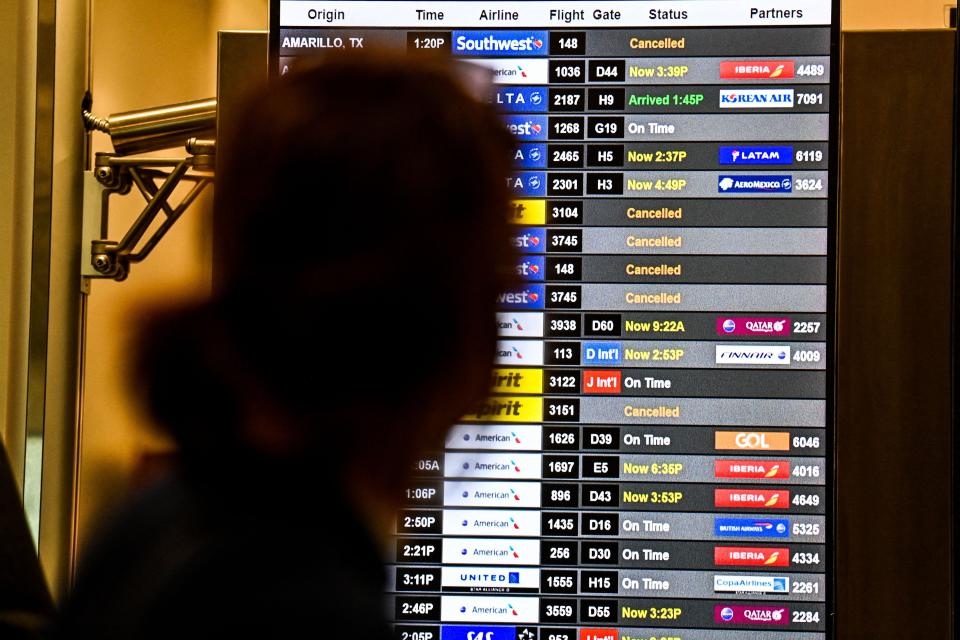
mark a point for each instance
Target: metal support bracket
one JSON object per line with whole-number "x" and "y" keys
{"x": 155, "y": 179}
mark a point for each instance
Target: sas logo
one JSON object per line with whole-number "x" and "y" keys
{"x": 520, "y": 99}
{"x": 756, "y": 155}
{"x": 752, "y": 469}
{"x": 527, "y": 127}
{"x": 754, "y": 184}
{"x": 751, "y": 527}
{"x": 473, "y": 632}
{"x": 500, "y": 43}
{"x": 740, "y": 614}
{"x": 747, "y": 499}
{"x": 530, "y": 240}
{"x": 527, "y": 212}
{"x": 528, "y": 183}
{"x": 751, "y": 557}
{"x": 753, "y": 326}
{"x": 601, "y": 381}
{"x": 529, "y": 297}
{"x": 520, "y": 325}
{"x": 530, "y": 156}
{"x": 753, "y": 355}
{"x": 752, "y": 440}
{"x": 756, "y": 99}
{"x": 756, "y": 69}
{"x": 779, "y": 585}
{"x": 602, "y": 353}
{"x": 599, "y": 634}
{"x": 532, "y": 268}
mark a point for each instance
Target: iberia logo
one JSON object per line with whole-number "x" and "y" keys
{"x": 746, "y": 498}
{"x": 751, "y": 556}
{"x": 752, "y": 469}
{"x": 757, "y": 69}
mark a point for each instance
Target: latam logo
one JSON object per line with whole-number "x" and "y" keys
{"x": 747, "y": 499}
{"x": 526, "y": 127}
{"x": 532, "y": 268}
{"x": 757, "y": 69}
{"x": 751, "y": 527}
{"x": 754, "y": 184}
{"x": 756, "y": 99}
{"x": 529, "y": 297}
{"x": 751, "y": 556}
{"x": 753, "y": 326}
{"x": 599, "y": 634}
{"x": 740, "y": 614}
{"x": 520, "y": 99}
{"x": 756, "y": 155}
{"x": 601, "y": 381}
{"x": 752, "y": 469}
{"x": 500, "y": 43}
{"x": 530, "y": 240}
{"x": 753, "y": 355}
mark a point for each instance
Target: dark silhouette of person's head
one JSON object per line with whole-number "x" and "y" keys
{"x": 353, "y": 313}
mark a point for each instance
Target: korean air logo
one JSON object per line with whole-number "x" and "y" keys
{"x": 500, "y": 43}
{"x": 532, "y": 268}
{"x": 756, "y": 99}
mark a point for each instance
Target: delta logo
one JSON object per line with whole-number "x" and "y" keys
{"x": 751, "y": 527}
{"x": 756, "y": 99}
{"x": 530, "y": 240}
{"x": 530, "y": 156}
{"x": 741, "y": 614}
{"x": 520, "y": 99}
{"x": 752, "y": 469}
{"x": 599, "y": 634}
{"x": 747, "y": 499}
{"x": 727, "y": 326}
{"x": 532, "y": 268}
{"x": 756, "y": 155}
{"x": 751, "y": 556}
{"x": 500, "y": 43}
{"x": 527, "y": 183}
{"x": 529, "y": 297}
{"x": 757, "y": 69}
{"x": 526, "y": 127}
{"x": 754, "y": 184}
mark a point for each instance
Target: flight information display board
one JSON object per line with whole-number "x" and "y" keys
{"x": 654, "y": 461}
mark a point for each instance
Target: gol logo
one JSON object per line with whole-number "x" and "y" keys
{"x": 752, "y": 440}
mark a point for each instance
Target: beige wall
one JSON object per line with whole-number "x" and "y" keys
{"x": 893, "y": 14}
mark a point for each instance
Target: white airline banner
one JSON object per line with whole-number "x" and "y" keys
{"x": 512, "y": 437}
{"x": 524, "y": 466}
{"x": 490, "y": 577}
{"x": 489, "y": 609}
{"x": 492, "y": 494}
{"x": 566, "y": 14}
{"x": 491, "y": 551}
{"x": 490, "y": 522}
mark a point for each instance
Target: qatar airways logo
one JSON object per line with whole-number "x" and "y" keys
{"x": 740, "y": 326}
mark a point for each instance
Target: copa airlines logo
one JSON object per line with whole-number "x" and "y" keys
{"x": 751, "y": 527}
{"x": 757, "y": 69}
{"x": 475, "y": 632}
{"x": 526, "y": 127}
{"x": 520, "y": 325}
{"x": 472, "y": 608}
{"x": 753, "y": 326}
{"x": 493, "y": 465}
{"x": 529, "y": 297}
{"x": 740, "y": 614}
{"x": 491, "y": 522}
{"x": 506, "y": 495}
{"x": 530, "y": 156}
{"x": 778, "y": 585}
{"x": 500, "y": 43}
{"x": 754, "y": 184}
{"x": 532, "y": 268}
{"x": 756, "y": 155}
{"x": 520, "y": 99}
{"x": 751, "y": 556}
{"x": 753, "y": 355}
{"x": 513, "y": 437}
{"x": 756, "y": 99}
{"x": 527, "y": 183}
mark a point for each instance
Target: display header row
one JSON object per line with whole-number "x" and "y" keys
{"x": 693, "y": 13}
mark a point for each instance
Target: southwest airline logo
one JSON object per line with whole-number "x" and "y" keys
{"x": 751, "y": 527}
{"x": 756, "y": 155}
{"x": 500, "y": 43}
{"x": 520, "y": 99}
{"x": 753, "y": 355}
{"x": 752, "y": 469}
{"x": 528, "y": 212}
{"x": 527, "y": 127}
{"x": 752, "y": 440}
{"x": 753, "y": 326}
{"x": 751, "y": 557}
{"x": 739, "y": 614}
{"x": 600, "y": 381}
{"x": 754, "y": 184}
{"x": 748, "y": 499}
{"x": 529, "y": 297}
{"x": 756, "y": 69}
{"x": 756, "y": 98}
{"x": 532, "y": 268}
{"x": 475, "y": 632}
